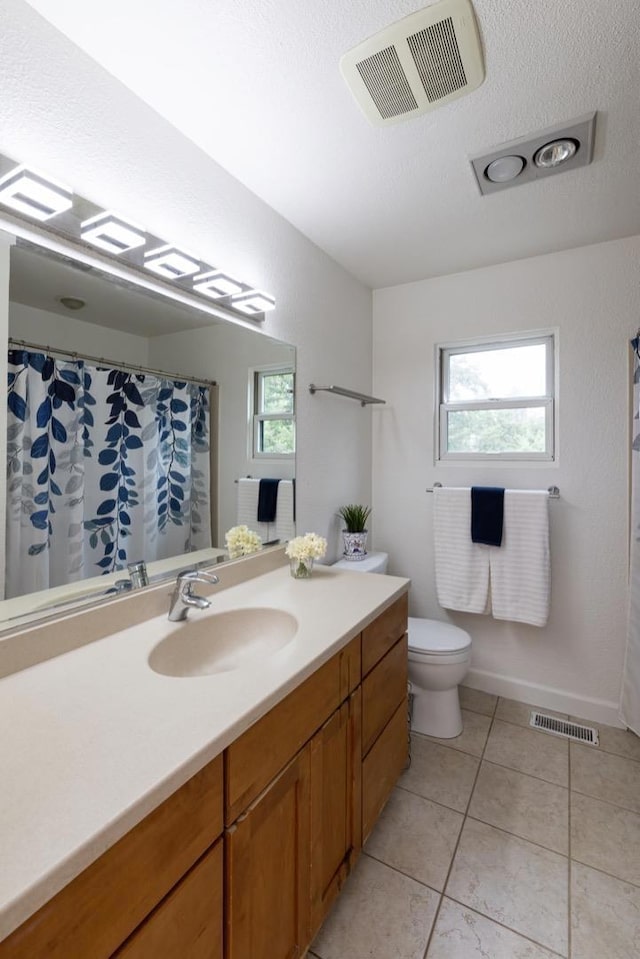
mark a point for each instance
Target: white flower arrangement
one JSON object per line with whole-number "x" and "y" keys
{"x": 304, "y": 548}
{"x": 241, "y": 541}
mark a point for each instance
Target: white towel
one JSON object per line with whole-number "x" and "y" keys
{"x": 462, "y": 567}
{"x": 285, "y": 526}
{"x": 520, "y": 568}
{"x": 247, "y": 508}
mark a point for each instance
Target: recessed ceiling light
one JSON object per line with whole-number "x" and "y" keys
{"x": 30, "y": 193}
{"x": 72, "y": 302}
{"x": 216, "y": 284}
{"x": 111, "y": 233}
{"x": 252, "y": 302}
{"x": 505, "y": 168}
{"x": 170, "y": 263}
{"x": 554, "y": 153}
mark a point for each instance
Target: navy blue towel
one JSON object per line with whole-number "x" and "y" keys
{"x": 487, "y": 513}
{"x": 267, "y": 500}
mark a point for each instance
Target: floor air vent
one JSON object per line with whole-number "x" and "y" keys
{"x": 416, "y": 64}
{"x": 586, "y": 735}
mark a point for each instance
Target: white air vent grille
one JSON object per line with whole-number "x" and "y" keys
{"x": 560, "y": 727}
{"x": 388, "y": 87}
{"x": 437, "y": 58}
{"x": 417, "y": 64}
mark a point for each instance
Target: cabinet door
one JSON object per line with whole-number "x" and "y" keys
{"x": 188, "y": 922}
{"x": 336, "y": 810}
{"x": 382, "y": 767}
{"x": 267, "y": 870}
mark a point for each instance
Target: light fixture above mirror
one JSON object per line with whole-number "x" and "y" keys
{"x": 35, "y": 197}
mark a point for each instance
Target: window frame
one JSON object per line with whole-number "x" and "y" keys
{"x": 548, "y": 401}
{"x": 256, "y": 417}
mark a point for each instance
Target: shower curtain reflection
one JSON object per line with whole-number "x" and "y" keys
{"x": 104, "y": 467}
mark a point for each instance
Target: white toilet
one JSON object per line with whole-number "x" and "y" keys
{"x": 439, "y": 655}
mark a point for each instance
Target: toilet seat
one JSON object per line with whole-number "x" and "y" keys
{"x": 431, "y": 641}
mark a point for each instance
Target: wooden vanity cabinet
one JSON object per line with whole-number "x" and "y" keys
{"x": 188, "y": 922}
{"x": 267, "y": 870}
{"x": 295, "y": 794}
{"x": 385, "y": 733}
{"x": 93, "y": 916}
{"x": 289, "y": 851}
{"x": 336, "y": 806}
{"x": 286, "y": 861}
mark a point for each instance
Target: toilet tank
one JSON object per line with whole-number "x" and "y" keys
{"x": 372, "y": 563}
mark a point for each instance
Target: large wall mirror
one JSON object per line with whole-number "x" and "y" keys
{"x": 133, "y": 423}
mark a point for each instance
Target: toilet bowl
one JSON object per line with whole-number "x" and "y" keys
{"x": 439, "y": 656}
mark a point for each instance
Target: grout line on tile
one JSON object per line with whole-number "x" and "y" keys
{"x": 492, "y": 762}
{"x": 429, "y": 799}
{"x": 599, "y": 748}
{"x": 551, "y": 782}
{"x": 516, "y": 835}
{"x": 487, "y": 715}
{"x": 607, "y": 802}
{"x": 610, "y": 752}
{"x": 401, "y": 872}
{"x": 455, "y": 851}
{"x": 456, "y": 749}
{"x": 502, "y": 925}
{"x": 628, "y": 882}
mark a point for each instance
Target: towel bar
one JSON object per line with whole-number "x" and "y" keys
{"x": 553, "y": 491}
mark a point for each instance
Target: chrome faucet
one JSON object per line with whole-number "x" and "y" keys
{"x": 184, "y": 597}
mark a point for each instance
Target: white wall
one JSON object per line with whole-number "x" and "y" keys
{"x": 592, "y": 295}
{"x": 66, "y": 333}
{"x": 225, "y": 354}
{"x": 65, "y": 115}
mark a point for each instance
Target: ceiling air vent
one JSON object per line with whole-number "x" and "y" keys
{"x": 417, "y": 64}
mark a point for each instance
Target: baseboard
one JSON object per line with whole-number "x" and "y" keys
{"x": 561, "y": 700}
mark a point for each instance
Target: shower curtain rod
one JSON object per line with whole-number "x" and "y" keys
{"x": 114, "y": 364}
{"x": 553, "y": 491}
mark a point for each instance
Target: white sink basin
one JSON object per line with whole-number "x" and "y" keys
{"x": 221, "y": 642}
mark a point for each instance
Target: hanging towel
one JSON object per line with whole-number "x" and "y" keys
{"x": 462, "y": 567}
{"x": 487, "y": 511}
{"x": 247, "y": 507}
{"x": 267, "y": 500}
{"x": 520, "y": 570}
{"x": 285, "y": 528}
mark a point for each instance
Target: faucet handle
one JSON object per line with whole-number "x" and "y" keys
{"x": 196, "y": 576}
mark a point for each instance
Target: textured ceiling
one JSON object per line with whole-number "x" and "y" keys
{"x": 256, "y": 84}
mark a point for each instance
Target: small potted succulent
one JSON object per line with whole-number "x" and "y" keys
{"x": 355, "y": 531}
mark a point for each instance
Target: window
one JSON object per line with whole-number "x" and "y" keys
{"x": 497, "y": 400}
{"x": 274, "y": 412}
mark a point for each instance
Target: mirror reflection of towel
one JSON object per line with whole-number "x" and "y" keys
{"x": 487, "y": 515}
{"x": 267, "y": 500}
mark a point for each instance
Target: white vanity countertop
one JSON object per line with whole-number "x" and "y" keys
{"x": 93, "y": 740}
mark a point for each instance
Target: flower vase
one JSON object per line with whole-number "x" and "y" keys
{"x": 355, "y": 545}
{"x": 301, "y": 568}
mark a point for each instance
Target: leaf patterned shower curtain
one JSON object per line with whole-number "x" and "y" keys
{"x": 104, "y": 467}
{"x": 630, "y": 702}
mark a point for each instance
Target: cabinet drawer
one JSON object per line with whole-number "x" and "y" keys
{"x": 382, "y": 690}
{"x": 189, "y": 921}
{"x": 384, "y": 632}
{"x": 98, "y": 910}
{"x": 253, "y": 760}
{"x": 382, "y": 767}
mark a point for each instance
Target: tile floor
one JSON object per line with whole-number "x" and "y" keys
{"x": 505, "y": 843}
